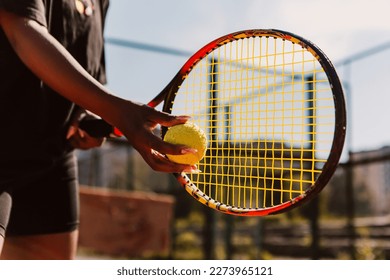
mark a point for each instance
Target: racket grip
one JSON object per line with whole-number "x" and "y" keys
{"x": 99, "y": 128}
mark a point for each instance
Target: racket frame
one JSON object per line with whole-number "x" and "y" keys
{"x": 169, "y": 92}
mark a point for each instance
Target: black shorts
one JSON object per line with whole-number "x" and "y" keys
{"x": 47, "y": 204}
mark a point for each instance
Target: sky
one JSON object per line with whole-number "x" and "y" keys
{"x": 341, "y": 28}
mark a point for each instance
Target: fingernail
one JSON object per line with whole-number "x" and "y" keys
{"x": 192, "y": 169}
{"x": 82, "y": 133}
{"x": 183, "y": 118}
{"x": 70, "y": 133}
{"x": 189, "y": 151}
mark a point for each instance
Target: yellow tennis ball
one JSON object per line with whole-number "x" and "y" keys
{"x": 190, "y": 135}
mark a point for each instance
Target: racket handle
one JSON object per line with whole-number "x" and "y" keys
{"x": 99, "y": 128}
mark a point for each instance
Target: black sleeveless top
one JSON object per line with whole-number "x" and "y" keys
{"x": 33, "y": 118}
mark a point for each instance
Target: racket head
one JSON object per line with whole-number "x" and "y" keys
{"x": 273, "y": 109}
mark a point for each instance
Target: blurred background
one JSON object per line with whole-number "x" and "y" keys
{"x": 148, "y": 214}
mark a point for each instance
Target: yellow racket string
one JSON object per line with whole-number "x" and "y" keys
{"x": 268, "y": 111}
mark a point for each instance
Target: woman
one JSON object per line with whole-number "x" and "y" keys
{"x": 51, "y": 68}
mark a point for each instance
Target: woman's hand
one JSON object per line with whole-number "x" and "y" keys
{"x": 138, "y": 123}
{"x": 78, "y": 138}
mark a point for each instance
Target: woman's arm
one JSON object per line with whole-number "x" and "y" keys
{"x": 52, "y": 63}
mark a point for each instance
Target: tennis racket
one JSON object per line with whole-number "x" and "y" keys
{"x": 273, "y": 109}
